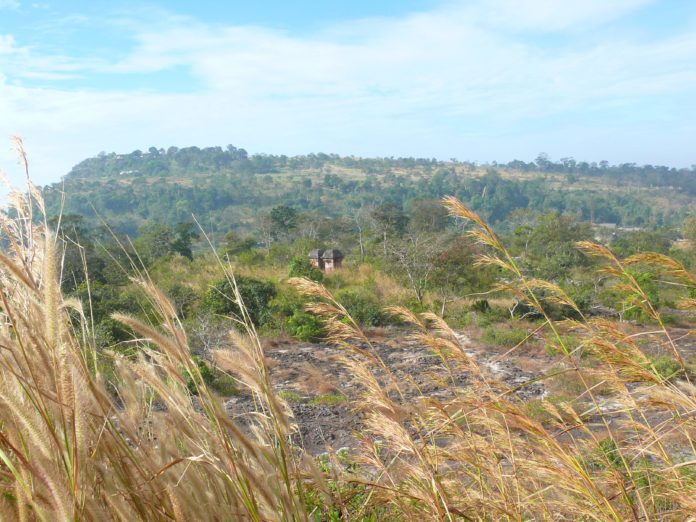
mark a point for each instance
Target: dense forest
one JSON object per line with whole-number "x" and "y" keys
{"x": 228, "y": 189}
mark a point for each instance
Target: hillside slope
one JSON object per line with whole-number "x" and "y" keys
{"x": 229, "y": 189}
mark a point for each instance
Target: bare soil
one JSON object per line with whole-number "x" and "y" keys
{"x": 319, "y": 389}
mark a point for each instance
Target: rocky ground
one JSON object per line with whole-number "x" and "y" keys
{"x": 317, "y": 386}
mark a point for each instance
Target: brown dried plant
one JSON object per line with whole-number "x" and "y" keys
{"x": 142, "y": 446}
{"x": 474, "y": 452}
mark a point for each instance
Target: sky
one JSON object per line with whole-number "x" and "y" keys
{"x": 476, "y": 80}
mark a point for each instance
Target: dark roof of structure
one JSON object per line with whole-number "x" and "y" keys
{"x": 316, "y": 253}
{"x": 332, "y": 254}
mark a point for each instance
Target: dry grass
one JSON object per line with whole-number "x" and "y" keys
{"x": 479, "y": 453}
{"x": 142, "y": 447}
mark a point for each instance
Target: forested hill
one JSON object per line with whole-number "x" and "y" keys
{"x": 230, "y": 189}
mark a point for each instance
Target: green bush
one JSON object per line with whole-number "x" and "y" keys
{"x": 362, "y": 307}
{"x": 256, "y": 294}
{"x": 304, "y": 326}
{"x": 502, "y": 337}
{"x": 491, "y": 315}
{"x": 667, "y": 367}
{"x": 647, "y": 282}
{"x": 571, "y": 343}
{"x": 183, "y": 298}
{"x": 337, "y": 280}
{"x": 218, "y": 381}
{"x": 286, "y": 302}
{"x": 225, "y": 385}
{"x": 300, "y": 266}
{"x": 481, "y": 305}
{"x": 328, "y": 399}
{"x": 250, "y": 258}
{"x": 206, "y": 373}
{"x": 234, "y": 245}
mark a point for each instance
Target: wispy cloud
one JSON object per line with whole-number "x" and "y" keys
{"x": 554, "y": 16}
{"x": 459, "y": 81}
{"x": 9, "y": 4}
{"x": 7, "y": 44}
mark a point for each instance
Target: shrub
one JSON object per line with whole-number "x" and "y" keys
{"x": 481, "y": 305}
{"x": 206, "y": 373}
{"x": 667, "y": 367}
{"x": 255, "y": 293}
{"x": 250, "y": 258}
{"x": 502, "y": 337}
{"x": 300, "y": 266}
{"x": 225, "y": 385}
{"x": 234, "y": 245}
{"x": 183, "y": 298}
{"x": 553, "y": 346}
{"x": 362, "y": 307}
{"x": 633, "y": 302}
{"x": 328, "y": 399}
{"x": 304, "y": 326}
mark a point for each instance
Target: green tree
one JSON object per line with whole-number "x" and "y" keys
{"x": 233, "y": 244}
{"x": 255, "y": 294}
{"x": 455, "y": 272}
{"x": 551, "y": 251}
{"x": 183, "y": 298}
{"x": 689, "y": 231}
{"x": 390, "y": 221}
{"x": 301, "y": 267}
{"x": 184, "y": 235}
{"x": 283, "y": 219}
{"x": 154, "y": 242}
{"x": 79, "y": 257}
{"x": 631, "y": 243}
{"x": 412, "y": 259}
{"x": 428, "y": 215}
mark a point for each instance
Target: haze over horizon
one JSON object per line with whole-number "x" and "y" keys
{"x": 475, "y": 80}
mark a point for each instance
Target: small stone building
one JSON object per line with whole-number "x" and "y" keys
{"x": 326, "y": 260}
{"x": 315, "y": 258}
{"x": 332, "y": 259}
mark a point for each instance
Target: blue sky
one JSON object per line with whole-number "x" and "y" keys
{"x": 477, "y": 80}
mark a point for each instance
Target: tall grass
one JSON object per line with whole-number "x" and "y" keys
{"x": 478, "y": 453}
{"x": 140, "y": 446}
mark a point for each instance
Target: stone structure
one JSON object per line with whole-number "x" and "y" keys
{"x": 315, "y": 258}
{"x": 326, "y": 260}
{"x": 332, "y": 259}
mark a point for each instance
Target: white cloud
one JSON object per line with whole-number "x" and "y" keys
{"x": 455, "y": 81}
{"x": 9, "y": 4}
{"x": 554, "y": 15}
{"x": 7, "y": 44}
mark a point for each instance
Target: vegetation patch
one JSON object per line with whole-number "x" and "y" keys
{"x": 500, "y": 335}
{"x": 328, "y": 399}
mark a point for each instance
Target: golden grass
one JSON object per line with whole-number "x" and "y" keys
{"x": 72, "y": 449}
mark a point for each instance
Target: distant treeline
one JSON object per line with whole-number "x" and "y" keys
{"x": 225, "y": 186}
{"x": 162, "y": 162}
{"x": 645, "y": 175}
